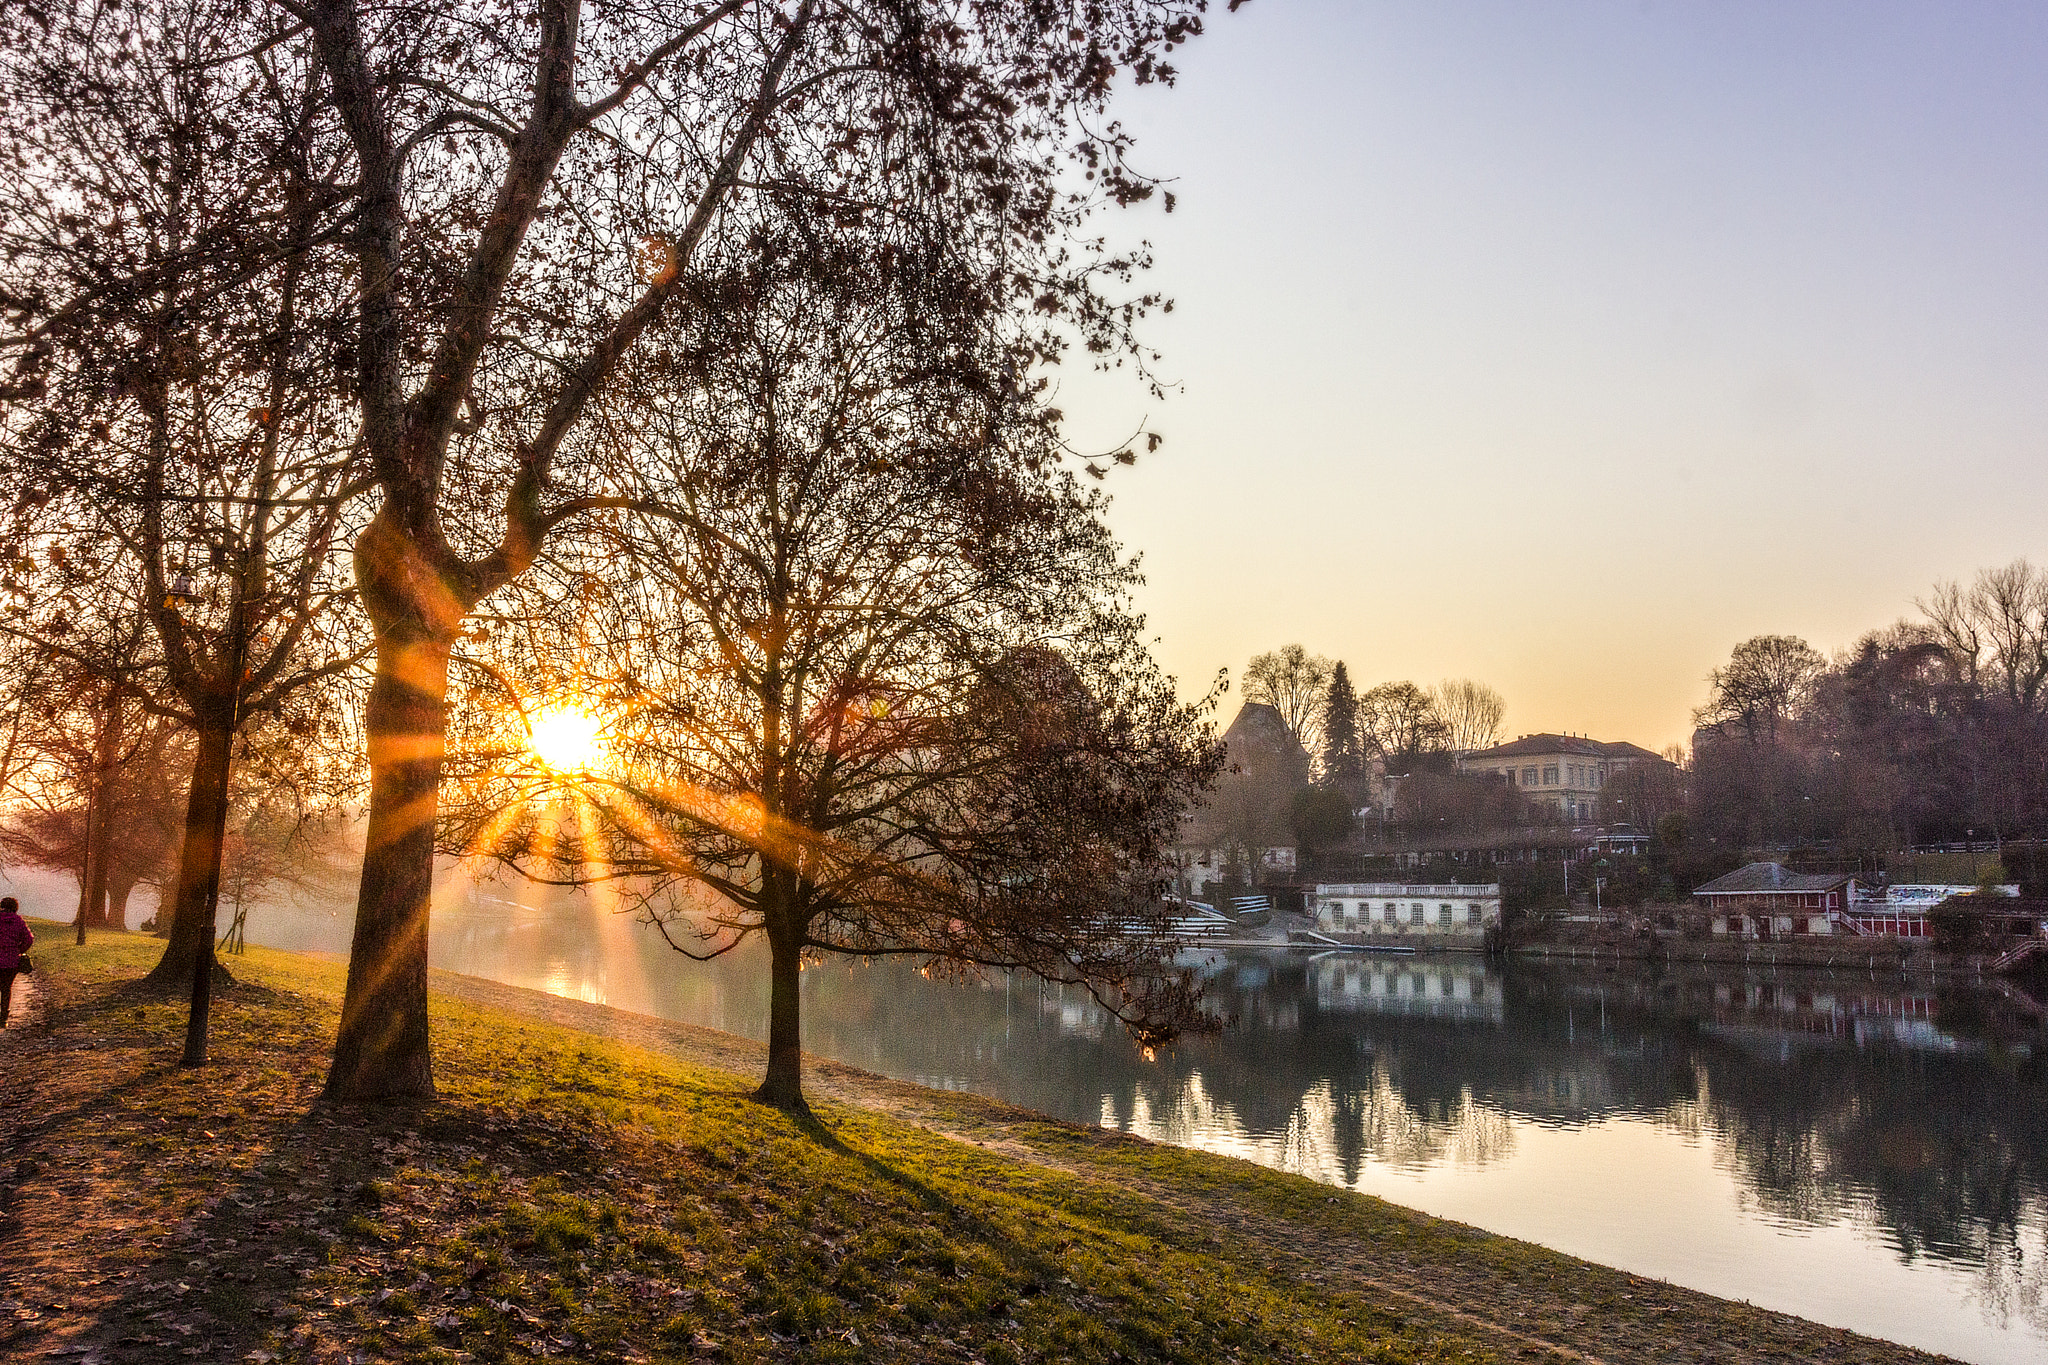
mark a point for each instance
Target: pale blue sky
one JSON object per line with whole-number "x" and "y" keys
{"x": 1564, "y": 345}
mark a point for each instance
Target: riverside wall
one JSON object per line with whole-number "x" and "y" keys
{"x": 1840, "y": 954}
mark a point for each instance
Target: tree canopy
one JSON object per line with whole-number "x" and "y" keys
{"x": 1403, "y": 722}
{"x": 870, "y": 674}
{"x": 474, "y": 214}
{"x": 1292, "y": 681}
{"x": 1471, "y": 713}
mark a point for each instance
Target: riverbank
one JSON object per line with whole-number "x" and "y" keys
{"x": 593, "y": 1184}
{"x": 1849, "y": 955}
{"x": 1631, "y": 937}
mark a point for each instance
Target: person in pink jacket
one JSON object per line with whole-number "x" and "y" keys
{"x": 15, "y": 941}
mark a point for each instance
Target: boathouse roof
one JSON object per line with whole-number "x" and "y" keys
{"x": 1770, "y": 878}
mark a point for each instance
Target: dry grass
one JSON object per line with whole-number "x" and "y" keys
{"x": 617, "y": 1199}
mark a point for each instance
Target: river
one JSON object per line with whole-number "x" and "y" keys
{"x": 1860, "y": 1150}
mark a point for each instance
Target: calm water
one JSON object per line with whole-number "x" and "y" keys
{"x": 1860, "y": 1151}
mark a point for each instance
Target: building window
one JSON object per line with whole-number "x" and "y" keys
{"x": 1415, "y": 912}
{"x": 1550, "y": 775}
{"x": 1443, "y": 916}
{"x": 1528, "y": 777}
{"x": 1473, "y": 915}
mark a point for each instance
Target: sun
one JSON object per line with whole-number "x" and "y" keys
{"x": 567, "y": 738}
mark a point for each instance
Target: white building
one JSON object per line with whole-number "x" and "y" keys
{"x": 1564, "y": 773}
{"x": 1422, "y": 916}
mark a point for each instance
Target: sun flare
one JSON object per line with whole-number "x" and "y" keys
{"x": 567, "y": 738}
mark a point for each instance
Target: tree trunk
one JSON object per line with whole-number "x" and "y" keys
{"x": 92, "y": 902}
{"x": 117, "y": 903}
{"x": 198, "y": 861}
{"x": 783, "y": 1086}
{"x": 381, "y": 1050}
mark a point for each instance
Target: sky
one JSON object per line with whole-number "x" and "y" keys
{"x": 1565, "y": 345}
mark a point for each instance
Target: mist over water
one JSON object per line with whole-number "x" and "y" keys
{"x": 1864, "y": 1151}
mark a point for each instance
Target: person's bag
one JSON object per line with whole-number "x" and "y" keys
{"x": 26, "y": 968}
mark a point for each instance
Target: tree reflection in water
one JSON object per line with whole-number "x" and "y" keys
{"x": 1912, "y": 1110}
{"x": 1829, "y": 1101}
{"x": 1330, "y": 1134}
{"x": 1911, "y": 1114}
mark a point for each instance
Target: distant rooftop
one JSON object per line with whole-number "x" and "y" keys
{"x": 1260, "y": 723}
{"x": 1759, "y": 878}
{"x": 1532, "y": 746}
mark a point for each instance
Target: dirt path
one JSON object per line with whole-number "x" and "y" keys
{"x": 81, "y": 1224}
{"x": 1527, "y": 1301}
{"x": 25, "y": 1009}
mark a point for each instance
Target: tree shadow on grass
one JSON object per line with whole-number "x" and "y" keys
{"x": 304, "y": 1193}
{"x": 174, "y": 1211}
{"x": 1035, "y": 1267}
{"x": 238, "y": 1214}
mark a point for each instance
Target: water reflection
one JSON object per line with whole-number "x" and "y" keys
{"x": 1458, "y": 989}
{"x": 1864, "y": 1151}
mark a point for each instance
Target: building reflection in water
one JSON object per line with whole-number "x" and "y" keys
{"x": 1457, "y": 989}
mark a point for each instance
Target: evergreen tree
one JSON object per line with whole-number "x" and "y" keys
{"x": 1343, "y": 756}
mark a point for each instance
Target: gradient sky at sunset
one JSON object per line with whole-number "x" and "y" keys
{"x": 1563, "y": 345}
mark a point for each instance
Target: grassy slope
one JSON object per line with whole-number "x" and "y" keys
{"x": 573, "y": 1195}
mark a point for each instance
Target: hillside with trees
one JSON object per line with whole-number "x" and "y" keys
{"x": 1932, "y": 730}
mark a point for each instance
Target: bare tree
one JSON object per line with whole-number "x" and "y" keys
{"x": 1295, "y": 683}
{"x": 1471, "y": 713}
{"x": 94, "y": 780}
{"x": 86, "y": 737}
{"x": 1923, "y": 730}
{"x": 1997, "y": 629}
{"x": 1436, "y": 803}
{"x": 878, "y": 687}
{"x": 507, "y": 197}
{"x": 186, "y": 420}
{"x": 1645, "y": 792}
{"x": 1402, "y": 721}
{"x": 1765, "y": 682}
